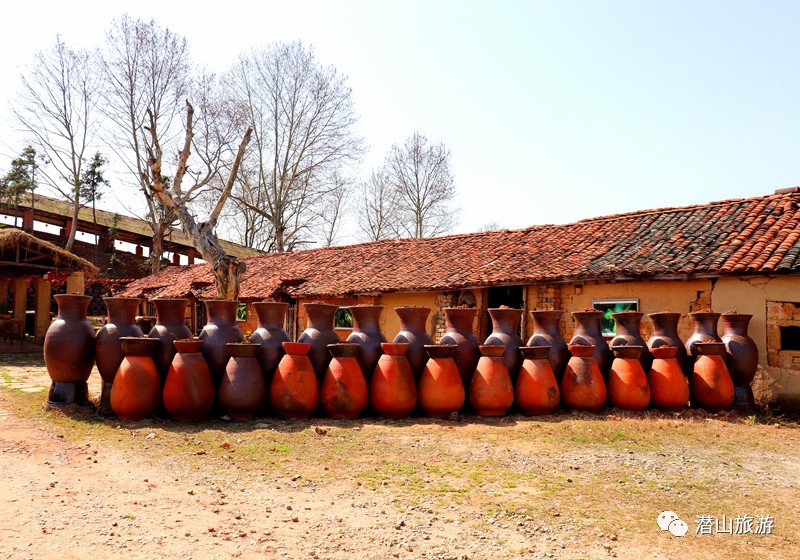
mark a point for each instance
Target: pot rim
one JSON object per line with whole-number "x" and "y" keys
{"x": 296, "y": 348}
{"x": 343, "y": 349}
{"x": 491, "y": 350}
{"x": 440, "y": 350}
{"x": 395, "y": 348}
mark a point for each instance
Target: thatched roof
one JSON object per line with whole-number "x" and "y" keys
{"x": 39, "y": 253}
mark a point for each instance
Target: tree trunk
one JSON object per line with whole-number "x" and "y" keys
{"x": 74, "y": 226}
{"x": 157, "y": 249}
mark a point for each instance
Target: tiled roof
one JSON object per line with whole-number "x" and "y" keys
{"x": 741, "y": 236}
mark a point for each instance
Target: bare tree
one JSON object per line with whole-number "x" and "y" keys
{"x": 303, "y": 132}
{"x": 57, "y": 109}
{"x": 378, "y": 211}
{"x": 332, "y": 211}
{"x": 420, "y": 172}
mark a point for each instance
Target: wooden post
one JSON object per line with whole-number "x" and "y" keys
{"x": 42, "y": 308}
{"x": 27, "y": 220}
{"x": 3, "y": 290}
{"x": 20, "y": 299}
{"x": 76, "y": 283}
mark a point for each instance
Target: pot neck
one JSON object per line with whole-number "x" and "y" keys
{"x": 460, "y": 319}
{"x": 705, "y": 322}
{"x": 413, "y": 319}
{"x": 221, "y": 312}
{"x": 170, "y": 311}
{"x": 72, "y": 307}
{"x": 665, "y": 323}
{"x": 271, "y": 315}
{"x": 320, "y": 316}
{"x": 122, "y": 311}
{"x": 505, "y": 320}
{"x": 366, "y": 319}
{"x": 546, "y": 321}
{"x": 736, "y": 323}
{"x": 587, "y": 323}
{"x": 628, "y": 324}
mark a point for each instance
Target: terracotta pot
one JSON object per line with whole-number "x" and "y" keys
{"x": 582, "y": 387}
{"x": 188, "y": 391}
{"x": 628, "y": 388}
{"x": 69, "y": 351}
{"x": 704, "y": 329}
{"x": 710, "y": 383}
{"x": 170, "y": 326}
{"x": 270, "y": 335}
{"x": 458, "y": 322}
{"x": 218, "y": 332}
{"x": 491, "y": 392}
{"x": 587, "y": 331}
{"x": 136, "y": 391}
{"x": 242, "y": 390}
{"x": 343, "y": 393}
{"x": 121, "y": 321}
{"x": 536, "y": 389}
{"x": 629, "y": 333}
{"x": 504, "y": 332}
{"x": 440, "y": 391}
{"x": 669, "y": 388}
{"x": 742, "y": 357}
{"x": 393, "y": 392}
{"x": 294, "y": 392}
{"x": 413, "y": 332}
{"x": 546, "y": 332}
{"x": 665, "y": 333}
{"x": 319, "y": 333}
{"x": 367, "y": 334}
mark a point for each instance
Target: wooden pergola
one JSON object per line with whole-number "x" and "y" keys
{"x": 25, "y": 258}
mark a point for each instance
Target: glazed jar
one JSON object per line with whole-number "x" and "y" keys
{"x": 413, "y": 332}
{"x": 669, "y": 388}
{"x": 69, "y": 351}
{"x": 459, "y": 333}
{"x": 170, "y": 326}
{"x": 582, "y": 387}
{"x": 294, "y": 392}
{"x": 367, "y": 334}
{"x": 393, "y": 391}
{"x": 136, "y": 391}
{"x": 546, "y": 332}
{"x": 242, "y": 390}
{"x": 710, "y": 383}
{"x": 188, "y": 391}
{"x": 219, "y": 330}
{"x": 704, "y": 329}
{"x": 665, "y": 333}
{"x": 742, "y": 357}
{"x": 440, "y": 391}
{"x": 343, "y": 393}
{"x": 491, "y": 392}
{"x": 536, "y": 390}
{"x": 270, "y": 335}
{"x": 629, "y": 324}
{"x": 319, "y": 333}
{"x": 587, "y": 331}
{"x": 628, "y": 388}
{"x": 121, "y": 321}
{"x": 505, "y": 322}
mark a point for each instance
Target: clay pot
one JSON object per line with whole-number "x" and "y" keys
{"x": 710, "y": 383}
{"x": 219, "y": 331}
{"x": 170, "y": 326}
{"x": 294, "y": 392}
{"x": 393, "y": 392}
{"x": 582, "y": 387}
{"x": 414, "y": 333}
{"x": 319, "y": 333}
{"x": 491, "y": 392}
{"x": 504, "y": 332}
{"x": 587, "y": 331}
{"x": 69, "y": 351}
{"x": 629, "y": 325}
{"x": 270, "y": 335}
{"x": 536, "y": 389}
{"x": 742, "y": 357}
{"x": 546, "y": 332}
{"x": 136, "y": 391}
{"x": 343, "y": 393}
{"x": 704, "y": 329}
{"x": 665, "y": 333}
{"x": 367, "y": 334}
{"x": 440, "y": 391}
{"x": 628, "y": 388}
{"x": 242, "y": 390}
{"x": 458, "y": 322}
{"x": 121, "y": 321}
{"x": 669, "y": 388}
{"x": 188, "y": 391}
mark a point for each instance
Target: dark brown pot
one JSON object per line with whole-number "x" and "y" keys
{"x": 219, "y": 331}
{"x": 367, "y": 334}
{"x": 319, "y": 333}
{"x": 170, "y": 326}
{"x": 665, "y": 333}
{"x": 136, "y": 391}
{"x": 270, "y": 335}
{"x": 121, "y": 321}
{"x": 242, "y": 390}
{"x": 742, "y": 357}
{"x": 704, "y": 329}
{"x": 504, "y": 332}
{"x": 546, "y": 332}
{"x": 587, "y": 331}
{"x": 629, "y": 333}
{"x": 188, "y": 391}
{"x": 69, "y": 351}
{"x": 459, "y": 321}
{"x": 413, "y": 321}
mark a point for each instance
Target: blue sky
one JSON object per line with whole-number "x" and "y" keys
{"x": 553, "y": 111}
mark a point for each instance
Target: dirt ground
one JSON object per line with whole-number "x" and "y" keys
{"x": 74, "y": 485}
